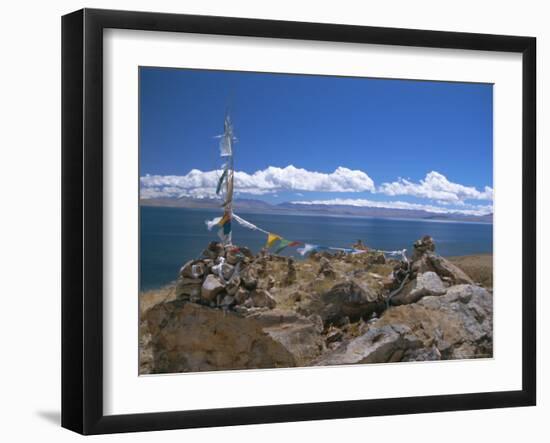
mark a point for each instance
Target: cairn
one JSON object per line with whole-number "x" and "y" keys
{"x": 325, "y": 268}
{"x": 225, "y": 277}
{"x": 291, "y": 272}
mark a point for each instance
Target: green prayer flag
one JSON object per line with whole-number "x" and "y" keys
{"x": 283, "y": 243}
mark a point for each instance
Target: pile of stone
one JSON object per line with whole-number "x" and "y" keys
{"x": 224, "y": 277}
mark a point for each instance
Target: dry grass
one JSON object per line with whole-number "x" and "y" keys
{"x": 478, "y": 267}
{"x": 148, "y": 299}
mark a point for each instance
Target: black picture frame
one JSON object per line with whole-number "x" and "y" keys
{"x": 82, "y": 217}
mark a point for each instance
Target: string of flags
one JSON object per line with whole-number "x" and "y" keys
{"x": 281, "y": 243}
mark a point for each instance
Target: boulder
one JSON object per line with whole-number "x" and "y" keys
{"x": 459, "y": 323}
{"x": 260, "y": 298}
{"x": 425, "y": 260}
{"x": 422, "y": 354}
{"x": 193, "y": 269}
{"x": 445, "y": 268}
{"x": 213, "y": 250}
{"x": 227, "y": 301}
{"x": 334, "y": 335}
{"x": 422, "y": 246}
{"x": 211, "y": 287}
{"x": 425, "y": 284}
{"x": 377, "y": 258}
{"x": 186, "y": 337}
{"x": 352, "y": 298}
{"x": 291, "y": 272}
{"x": 231, "y": 257}
{"x": 249, "y": 278}
{"x": 325, "y": 268}
{"x": 240, "y": 296}
{"x": 299, "y": 335}
{"x": 186, "y": 287}
{"x": 388, "y": 343}
{"x": 246, "y": 252}
{"x": 233, "y": 285}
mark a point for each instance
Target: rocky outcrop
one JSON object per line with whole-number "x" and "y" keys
{"x": 446, "y": 269}
{"x": 427, "y": 283}
{"x": 459, "y": 323}
{"x": 187, "y": 337}
{"x": 230, "y": 309}
{"x": 352, "y": 299}
{"x": 388, "y": 343}
{"x": 425, "y": 259}
{"x": 300, "y": 336}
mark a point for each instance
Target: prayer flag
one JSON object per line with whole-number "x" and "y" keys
{"x": 271, "y": 239}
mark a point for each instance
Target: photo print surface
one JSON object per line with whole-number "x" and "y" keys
{"x": 294, "y": 220}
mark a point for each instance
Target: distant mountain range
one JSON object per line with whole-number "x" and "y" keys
{"x": 251, "y": 205}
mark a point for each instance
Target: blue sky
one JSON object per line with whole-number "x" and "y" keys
{"x": 415, "y": 142}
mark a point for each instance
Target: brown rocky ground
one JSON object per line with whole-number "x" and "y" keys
{"x": 231, "y": 309}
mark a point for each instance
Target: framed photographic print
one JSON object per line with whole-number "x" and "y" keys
{"x": 269, "y": 221}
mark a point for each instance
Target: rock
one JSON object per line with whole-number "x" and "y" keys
{"x": 270, "y": 283}
{"x": 422, "y": 354}
{"x": 299, "y": 335}
{"x": 325, "y": 268}
{"x": 250, "y": 283}
{"x": 353, "y": 299}
{"x": 425, "y": 284}
{"x": 227, "y": 301}
{"x": 241, "y": 295}
{"x": 459, "y": 323}
{"x": 377, "y": 345}
{"x": 334, "y": 335}
{"x": 445, "y": 268}
{"x": 425, "y": 244}
{"x": 233, "y": 285}
{"x": 243, "y": 310}
{"x": 186, "y": 287}
{"x": 186, "y": 337}
{"x": 249, "y": 278}
{"x": 298, "y": 296}
{"x": 425, "y": 260}
{"x": 262, "y": 299}
{"x": 291, "y": 272}
{"x": 227, "y": 270}
{"x": 378, "y": 258}
{"x": 213, "y": 250}
{"x": 193, "y": 269}
{"x": 231, "y": 257}
{"x": 215, "y": 246}
{"x": 146, "y": 357}
{"x": 211, "y": 287}
{"x": 388, "y": 282}
{"x": 246, "y": 252}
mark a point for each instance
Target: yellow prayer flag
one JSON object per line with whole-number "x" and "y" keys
{"x": 271, "y": 239}
{"x": 224, "y": 219}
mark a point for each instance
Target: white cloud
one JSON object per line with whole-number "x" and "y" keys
{"x": 471, "y": 209}
{"x": 436, "y": 186}
{"x": 265, "y": 181}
